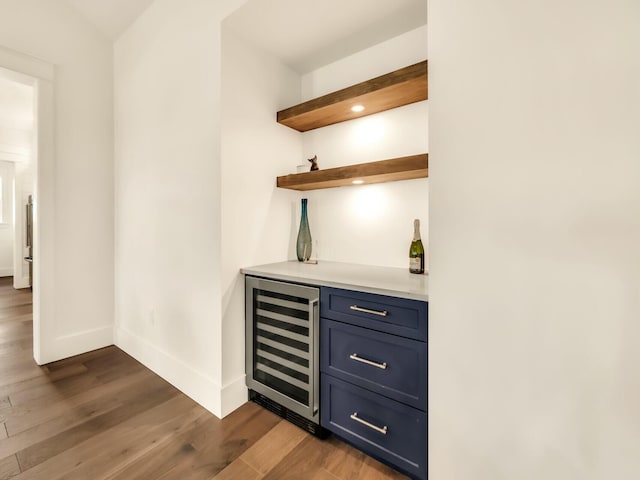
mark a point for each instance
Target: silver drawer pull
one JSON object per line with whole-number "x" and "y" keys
{"x": 382, "y": 313}
{"x": 383, "y": 430}
{"x": 354, "y": 356}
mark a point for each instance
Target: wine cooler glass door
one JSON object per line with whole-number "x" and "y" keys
{"x": 282, "y": 343}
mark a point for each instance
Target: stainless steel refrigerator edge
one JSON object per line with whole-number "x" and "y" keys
{"x": 275, "y": 329}
{"x": 29, "y": 237}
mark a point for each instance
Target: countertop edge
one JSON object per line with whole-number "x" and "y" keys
{"x": 257, "y": 271}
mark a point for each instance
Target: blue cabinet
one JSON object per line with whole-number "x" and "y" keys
{"x": 373, "y": 363}
{"x": 392, "y": 366}
{"x": 385, "y": 429}
{"x": 399, "y": 316}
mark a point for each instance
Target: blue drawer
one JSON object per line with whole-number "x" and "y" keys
{"x": 380, "y": 427}
{"x": 399, "y": 316}
{"x": 393, "y": 366}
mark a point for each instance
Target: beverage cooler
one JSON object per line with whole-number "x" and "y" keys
{"x": 282, "y": 350}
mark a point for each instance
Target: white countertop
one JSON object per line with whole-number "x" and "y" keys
{"x": 395, "y": 282}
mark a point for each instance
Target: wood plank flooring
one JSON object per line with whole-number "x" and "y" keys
{"x": 103, "y": 415}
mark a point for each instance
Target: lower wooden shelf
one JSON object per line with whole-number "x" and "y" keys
{"x": 394, "y": 169}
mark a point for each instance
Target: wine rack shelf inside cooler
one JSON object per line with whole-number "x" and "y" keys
{"x": 282, "y": 343}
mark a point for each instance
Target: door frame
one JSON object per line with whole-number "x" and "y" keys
{"x": 41, "y": 75}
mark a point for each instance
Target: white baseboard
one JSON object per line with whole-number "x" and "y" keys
{"x": 66, "y": 346}
{"x": 234, "y": 395}
{"x": 21, "y": 282}
{"x": 191, "y": 382}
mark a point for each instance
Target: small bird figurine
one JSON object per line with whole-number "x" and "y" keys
{"x": 314, "y": 163}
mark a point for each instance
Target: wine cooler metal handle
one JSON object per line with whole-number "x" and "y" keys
{"x": 383, "y": 430}
{"x": 315, "y": 361}
{"x": 354, "y": 356}
{"x": 382, "y": 313}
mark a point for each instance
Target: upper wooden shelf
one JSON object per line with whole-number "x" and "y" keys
{"x": 395, "y": 89}
{"x": 402, "y": 168}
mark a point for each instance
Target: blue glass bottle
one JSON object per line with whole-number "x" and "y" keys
{"x": 303, "y": 246}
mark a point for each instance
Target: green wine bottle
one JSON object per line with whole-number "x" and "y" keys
{"x": 416, "y": 251}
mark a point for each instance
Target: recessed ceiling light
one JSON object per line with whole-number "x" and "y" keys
{"x": 357, "y": 182}
{"x": 357, "y": 108}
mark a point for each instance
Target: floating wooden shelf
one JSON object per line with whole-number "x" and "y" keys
{"x": 395, "y": 89}
{"x": 403, "y": 168}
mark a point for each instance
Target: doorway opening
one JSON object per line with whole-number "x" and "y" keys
{"x": 27, "y": 184}
{"x": 17, "y": 177}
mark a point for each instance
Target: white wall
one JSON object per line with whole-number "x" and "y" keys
{"x": 535, "y": 265}
{"x": 7, "y": 174}
{"x": 369, "y": 224}
{"x": 168, "y": 194}
{"x": 15, "y": 144}
{"x": 77, "y": 219}
{"x": 256, "y": 216}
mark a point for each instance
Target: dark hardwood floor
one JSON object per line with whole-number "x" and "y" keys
{"x": 103, "y": 415}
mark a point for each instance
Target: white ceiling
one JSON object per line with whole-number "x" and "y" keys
{"x": 307, "y": 34}
{"x": 16, "y": 105}
{"x": 112, "y": 17}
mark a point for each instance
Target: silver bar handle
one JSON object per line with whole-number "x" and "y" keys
{"x": 354, "y": 356}
{"x": 383, "y": 430}
{"x": 314, "y": 344}
{"x": 382, "y": 313}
